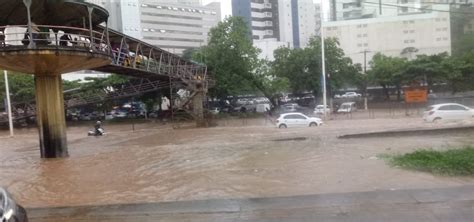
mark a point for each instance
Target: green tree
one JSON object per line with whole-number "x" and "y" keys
{"x": 268, "y": 83}
{"x": 458, "y": 72}
{"x": 22, "y": 87}
{"x": 387, "y": 71}
{"x": 302, "y": 67}
{"x": 231, "y": 58}
{"x": 426, "y": 69}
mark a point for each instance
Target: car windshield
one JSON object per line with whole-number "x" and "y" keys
{"x": 238, "y": 110}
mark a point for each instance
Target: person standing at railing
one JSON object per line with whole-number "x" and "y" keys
{"x": 63, "y": 41}
{"x": 125, "y": 54}
{"x": 34, "y": 31}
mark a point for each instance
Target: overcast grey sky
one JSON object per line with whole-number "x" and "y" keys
{"x": 226, "y": 6}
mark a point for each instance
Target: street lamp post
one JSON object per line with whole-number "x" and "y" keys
{"x": 9, "y": 107}
{"x": 365, "y": 73}
{"x": 323, "y": 62}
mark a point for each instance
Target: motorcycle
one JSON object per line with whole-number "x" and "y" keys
{"x": 9, "y": 210}
{"x": 98, "y": 132}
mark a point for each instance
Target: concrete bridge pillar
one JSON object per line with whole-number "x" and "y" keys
{"x": 50, "y": 116}
{"x": 198, "y": 109}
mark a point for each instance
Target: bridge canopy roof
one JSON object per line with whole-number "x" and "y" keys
{"x": 51, "y": 12}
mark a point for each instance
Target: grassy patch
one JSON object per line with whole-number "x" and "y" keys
{"x": 449, "y": 162}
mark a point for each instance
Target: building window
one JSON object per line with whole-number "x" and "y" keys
{"x": 405, "y": 31}
{"x": 437, "y": 19}
{"x": 412, "y": 41}
{"x": 404, "y": 9}
{"x": 365, "y": 35}
{"x": 366, "y": 44}
{"x": 359, "y": 35}
{"x": 445, "y": 19}
{"x": 365, "y": 25}
{"x": 412, "y": 31}
{"x": 412, "y": 22}
{"x": 445, "y": 38}
{"x": 406, "y": 41}
{"x": 438, "y": 39}
{"x": 359, "y": 45}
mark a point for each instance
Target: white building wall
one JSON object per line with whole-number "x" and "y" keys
{"x": 285, "y": 20}
{"x": 130, "y": 13}
{"x": 429, "y": 33}
{"x": 177, "y": 27}
{"x": 267, "y": 46}
{"x": 307, "y": 24}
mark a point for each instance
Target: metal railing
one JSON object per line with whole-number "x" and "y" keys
{"x": 47, "y": 36}
{"x": 142, "y": 56}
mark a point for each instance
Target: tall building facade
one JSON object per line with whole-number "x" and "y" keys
{"x": 358, "y": 9}
{"x": 173, "y": 25}
{"x": 304, "y": 23}
{"x": 280, "y": 22}
{"x": 267, "y": 19}
{"x": 177, "y": 27}
{"x": 398, "y": 36}
{"x": 317, "y": 19}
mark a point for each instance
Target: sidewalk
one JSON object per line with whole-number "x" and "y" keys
{"x": 445, "y": 204}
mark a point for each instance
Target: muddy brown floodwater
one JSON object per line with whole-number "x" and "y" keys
{"x": 238, "y": 159}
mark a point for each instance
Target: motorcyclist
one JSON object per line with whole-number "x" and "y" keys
{"x": 97, "y": 127}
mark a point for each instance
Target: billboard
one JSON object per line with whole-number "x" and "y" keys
{"x": 416, "y": 94}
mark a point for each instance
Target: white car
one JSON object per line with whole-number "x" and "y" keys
{"x": 297, "y": 119}
{"x": 320, "y": 109}
{"x": 347, "y": 107}
{"x": 214, "y": 110}
{"x": 351, "y": 95}
{"x": 447, "y": 111}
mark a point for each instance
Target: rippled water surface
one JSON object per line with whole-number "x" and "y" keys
{"x": 157, "y": 163}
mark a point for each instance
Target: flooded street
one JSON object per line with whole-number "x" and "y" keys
{"x": 238, "y": 159}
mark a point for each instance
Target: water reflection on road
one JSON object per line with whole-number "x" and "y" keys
{"x": 157, "y": 163}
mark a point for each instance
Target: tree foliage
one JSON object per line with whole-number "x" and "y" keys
{"x": 387, "y": 71}
{"x": 302, "y": 67}
{"x": 455, "y": 71}
{"x": 231, "y": 58}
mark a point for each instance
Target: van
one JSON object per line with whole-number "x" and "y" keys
{"x": 347, "y": 107}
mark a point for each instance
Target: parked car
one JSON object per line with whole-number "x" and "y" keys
{"x": 109, "y": 116}
{"x": 85, "y": 116}
{"x": 447, "y": 111}
{"x": 214, "y": 110}
{"x": 120, "y": 114}
{"x": 297, "y": 119}
{"x": 351, "y": 95}
{"x": 319, "y": 110}
{"x": 347, "y": 107}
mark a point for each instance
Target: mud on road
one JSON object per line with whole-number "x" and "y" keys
{"x": 237, "y": 159}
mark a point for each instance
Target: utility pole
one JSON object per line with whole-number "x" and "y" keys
{"x": 365, "y": 73}
{"x": 323, "y": 62}
{"x": 9, "y": 105}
